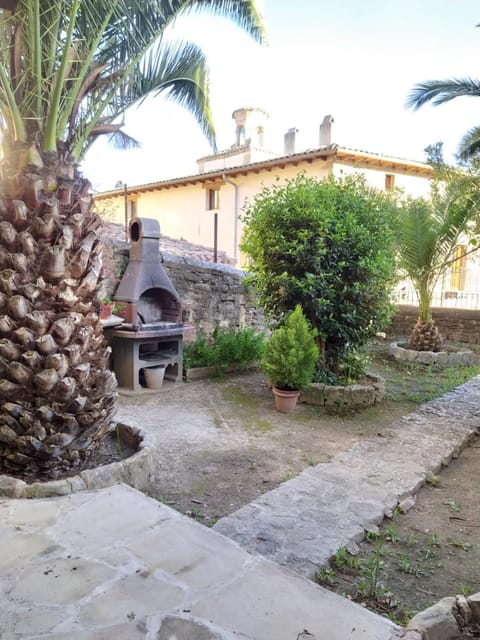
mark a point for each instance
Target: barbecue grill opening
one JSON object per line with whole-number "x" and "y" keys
{"x": 156, "y": 305}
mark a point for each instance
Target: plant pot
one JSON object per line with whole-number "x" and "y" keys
{"x": 154, "y": 376}
{"x": 105, "y": 311}
{"x": 285, "y": 401}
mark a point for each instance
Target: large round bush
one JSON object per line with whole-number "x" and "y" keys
{"x": 326, "y": 245}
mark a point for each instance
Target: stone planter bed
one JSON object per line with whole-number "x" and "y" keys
{"x": 135, "y": 471}
{"x": 447, "y": 358}
{"x": 366, "y": 393}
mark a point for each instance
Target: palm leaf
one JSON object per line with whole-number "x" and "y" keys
{"x": 96, "y": 58}
{"x": 440, "y": 91}
{"x": 470, "y": 144}
{"x": 428, "y": 231}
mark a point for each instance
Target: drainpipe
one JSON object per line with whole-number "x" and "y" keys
{"x": 235, "y": 216}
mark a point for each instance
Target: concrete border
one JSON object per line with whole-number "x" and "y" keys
{"x": 137, "y": 471}
{"x": 437, "y": 358}
{"x": 352, "y": 396}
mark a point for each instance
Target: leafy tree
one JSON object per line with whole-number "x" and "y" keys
{"x": 68, "y": 71}
{"x": 427, "y": 235}
{"x": 440, "y": 91}
{"x": 326, "y": 245}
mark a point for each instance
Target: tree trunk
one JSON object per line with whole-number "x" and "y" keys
{"x": 57, "y": 395}
{"x": 425, "y": 336}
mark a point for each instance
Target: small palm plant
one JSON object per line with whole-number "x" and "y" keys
{"x": 427, "y": 235}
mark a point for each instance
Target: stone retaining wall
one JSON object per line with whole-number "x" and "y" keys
{"x": 212, "y": 294}
{"x": 462, "y": 325}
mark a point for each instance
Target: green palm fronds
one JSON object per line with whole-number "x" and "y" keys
{"x": 69, "y": 69}
{"x": 430, "y": 230}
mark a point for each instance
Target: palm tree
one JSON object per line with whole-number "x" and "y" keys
{"x": 427, "y": 235}
{"x": 440, "y": 91}
{"x": 68, "y": 71}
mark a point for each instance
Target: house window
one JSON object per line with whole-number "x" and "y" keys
{"x": 213, "y": 199}
{"x": 389, "y": 182}
{"x": 459, "y": 268}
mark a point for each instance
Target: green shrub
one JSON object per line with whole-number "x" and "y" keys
{"x": 291, "y": 353}
{"x": 198, "y": 353}
{"x": 239, "y": 347}
{"x": 224, "y": 348}
{"x": 326, "y": 245}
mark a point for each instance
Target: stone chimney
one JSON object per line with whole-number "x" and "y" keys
{"x": 289, "y": 141}
{"x": 326, "y": 131}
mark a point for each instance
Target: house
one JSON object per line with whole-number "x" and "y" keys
{"x": 205, "y": 208}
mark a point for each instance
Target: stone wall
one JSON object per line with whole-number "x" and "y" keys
{"x": 461, "y": 325}
{"x": 211, "y": 294}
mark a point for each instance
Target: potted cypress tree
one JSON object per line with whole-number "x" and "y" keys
{"x": 289, "y": 360}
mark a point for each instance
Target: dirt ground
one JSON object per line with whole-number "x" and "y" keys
{"x": 433, "y": 551}
{"x": 253, "y": 448}
{"x": 235, "y": 446}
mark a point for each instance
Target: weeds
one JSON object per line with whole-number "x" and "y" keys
{"x": 288, "y": 475}
{"x": 452, "y": 505}
{"x": 461, "y": 544}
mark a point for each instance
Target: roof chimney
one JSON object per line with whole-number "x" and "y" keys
{"x": 289, "y": 141}
{"x": 326, "y": 131}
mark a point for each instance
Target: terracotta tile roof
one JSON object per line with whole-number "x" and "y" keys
{"x": 345, "y": 154}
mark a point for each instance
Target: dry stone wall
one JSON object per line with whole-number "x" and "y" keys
{"x": 461, "y": 325}
{"x": 212, "y": 294}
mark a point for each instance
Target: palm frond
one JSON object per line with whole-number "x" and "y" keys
{"x": 97, "y": 58}
{"x": 428, "y": 231}
{"x": 469, "y": 145}
{"x": 440, "y": 91}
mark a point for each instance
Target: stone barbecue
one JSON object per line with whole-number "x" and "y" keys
{"x": 152, "y": 334}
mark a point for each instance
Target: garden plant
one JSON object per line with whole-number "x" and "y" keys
{"x": 225, "y": 347}
{"x": 291, "y": 354}
{"x": 326, "y": 245}
{"x": 428, "y": 233}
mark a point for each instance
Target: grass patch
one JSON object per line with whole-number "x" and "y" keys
{"x": 235, "y": 394}
{"x": 417, "y": 383}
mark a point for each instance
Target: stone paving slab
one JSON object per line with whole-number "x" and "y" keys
{"x": 302, "y": 523}
{"x": 113, "y": 564}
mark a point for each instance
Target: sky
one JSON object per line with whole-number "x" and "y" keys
{"x": 354, "y": 59}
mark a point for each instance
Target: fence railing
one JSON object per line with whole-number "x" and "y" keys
{"x": 458, "y": 299}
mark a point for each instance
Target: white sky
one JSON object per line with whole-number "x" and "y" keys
{"x": 355, "y": 59}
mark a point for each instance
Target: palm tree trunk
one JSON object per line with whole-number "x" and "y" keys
{"x": 57, "y": 395}
{"x": 425, "y": 335}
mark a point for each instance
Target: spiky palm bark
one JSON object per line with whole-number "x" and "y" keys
{"x": 57, "y": 394}
{"x": 69, "y": 69}
{"x": 425, "y": 336}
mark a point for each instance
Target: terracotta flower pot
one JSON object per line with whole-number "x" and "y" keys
{"x": 285, "y": 401}
{"x": 105, "y": 311}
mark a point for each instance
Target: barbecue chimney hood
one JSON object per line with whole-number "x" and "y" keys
{"x": 145, "y": 283}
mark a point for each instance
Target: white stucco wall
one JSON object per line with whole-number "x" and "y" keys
{"x": 182, "y": 210}
{"x": 416, "y": 186}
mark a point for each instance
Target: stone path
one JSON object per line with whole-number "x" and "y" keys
{"x": 113, "y": 564}
{"x": 303, "y": 522}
